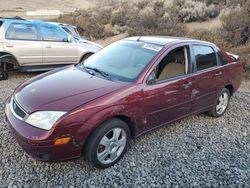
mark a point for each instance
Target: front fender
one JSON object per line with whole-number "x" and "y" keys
{"x": 100, "y": 117}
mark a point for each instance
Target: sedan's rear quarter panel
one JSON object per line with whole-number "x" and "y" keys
{"x": 233, "y": 74}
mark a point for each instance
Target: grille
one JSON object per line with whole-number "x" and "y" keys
{"x": 18, "y": 111}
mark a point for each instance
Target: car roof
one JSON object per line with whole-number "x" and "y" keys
{"x": 62, "y": 24}
{"x": 165, "y": 40}
{"x": 21, "y": 20}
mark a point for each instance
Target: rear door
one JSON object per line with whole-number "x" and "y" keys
{"x": 56, "y": 47}
{"x": 209, "y": 77}
{"x": 23, "y": 41}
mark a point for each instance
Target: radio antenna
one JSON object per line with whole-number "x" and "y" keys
{"x": 139, "y": 38}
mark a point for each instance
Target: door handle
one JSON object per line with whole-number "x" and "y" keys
{"x": 48, "y": 46}
{"x": 9, "y": 45}
{"x": 187, "y": 85}
{"x": 218, "y": 73}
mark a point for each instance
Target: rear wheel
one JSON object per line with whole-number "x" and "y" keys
{"x": 221, "y": 104}
{"x": 108, "y": 143}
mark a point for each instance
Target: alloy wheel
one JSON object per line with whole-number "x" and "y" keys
{"x": 222, "y": 103}
{"x": 111, "y": 145}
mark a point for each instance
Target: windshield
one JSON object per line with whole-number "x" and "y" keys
{"x": 123, "y": 60}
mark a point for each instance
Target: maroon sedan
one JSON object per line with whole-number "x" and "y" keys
{"x": 125, "y": 90}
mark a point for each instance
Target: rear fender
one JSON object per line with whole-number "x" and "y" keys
{"x": 233, "y": 57}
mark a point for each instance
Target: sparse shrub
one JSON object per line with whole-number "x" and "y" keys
{"x": 213, "y": 36}
{"x": 110, "y": 30}
{"x": 119, "y": 17}
{"x": 234, "y": 3}
{"x": 103, "y": 14}
{"x": 189, "y": 10}
{"x": 236, "y": 26}
{"x": 141, "y": 4}
{"x": 244, "y": 53}
{"x": 215, "y": 2}
{"x": 146, "y": 22}
{"x": 159, "y": 9}
{"x": 141, "y": 17}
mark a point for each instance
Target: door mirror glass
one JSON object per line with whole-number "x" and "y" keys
{"x": 70, "y": 38}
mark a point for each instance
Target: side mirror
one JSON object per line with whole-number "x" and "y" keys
{"x": 69, "y": 39}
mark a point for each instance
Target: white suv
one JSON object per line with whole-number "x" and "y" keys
{"x": 32, "y": 45}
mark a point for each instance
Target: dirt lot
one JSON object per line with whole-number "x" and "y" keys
{"x": 10, "y": 8}
{"x": 198, "y": 151}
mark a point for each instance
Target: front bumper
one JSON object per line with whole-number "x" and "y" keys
{"x": 40, "y": 143}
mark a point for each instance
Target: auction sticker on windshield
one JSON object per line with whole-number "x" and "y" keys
{"x": 152, "y": 47}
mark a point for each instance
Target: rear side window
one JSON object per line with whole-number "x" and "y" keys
{"x": 1, "y": 23}
{"x": 53, "y": 33}
{"x": 205, "y": 57}
{"x": 22, "y": 31}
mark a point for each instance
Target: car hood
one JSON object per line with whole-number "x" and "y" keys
{"x": 89, "y": 42}
{"x": 62, "y": 90}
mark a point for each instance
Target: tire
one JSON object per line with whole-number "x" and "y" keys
{"x": 108, "y": 143}
{"x": 4, "y": 76}
{"x": 9, "y": 63}
{"x": 221, "y": 104}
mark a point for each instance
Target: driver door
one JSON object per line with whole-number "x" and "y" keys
{"x": 168, "y": 92}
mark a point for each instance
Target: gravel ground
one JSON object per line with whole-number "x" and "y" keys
{"x": 198, "y": 151}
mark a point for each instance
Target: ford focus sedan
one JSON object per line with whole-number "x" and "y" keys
{"x": 125, "y": 90}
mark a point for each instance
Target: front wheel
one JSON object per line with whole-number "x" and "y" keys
{"x": 108, "y": 143}
{"x": 3, "y": 75}
{"x": 221, "y": 104}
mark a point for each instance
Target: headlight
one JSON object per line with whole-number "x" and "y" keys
{"x": 44, "y": 119}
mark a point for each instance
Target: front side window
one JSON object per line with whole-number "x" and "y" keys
{"x": 22, "y": 31}
{"x": 124, "y": 60}
{"x": 53, "y": 33}
{"x": 174, "y": 64}
{"x": 205, "y": 57}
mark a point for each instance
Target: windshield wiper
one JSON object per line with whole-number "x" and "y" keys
{"x": 103, "y": 73}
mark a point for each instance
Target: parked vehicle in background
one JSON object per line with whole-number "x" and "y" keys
{"x": 33, "y": 45}
{"x": 72, "y": 30}
{"x": 127, "y": 89}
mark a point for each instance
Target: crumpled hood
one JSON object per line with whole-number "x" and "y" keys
{"x": 63, "y": 89}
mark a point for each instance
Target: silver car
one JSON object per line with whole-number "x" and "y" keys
{"x": 33, "y": 45}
